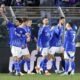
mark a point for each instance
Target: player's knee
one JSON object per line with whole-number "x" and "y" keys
{"x": 72, "y": 60}
{"x": 27, "y": 56}
{"x": 66, "y": 59}
{"x": 50, "y": 57}
{"x": 62, "y": 56}
{"x": 44, "y": 56}
{"x": 16, "y": 58}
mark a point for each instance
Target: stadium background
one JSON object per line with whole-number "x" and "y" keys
{"x": 71, "y": 14}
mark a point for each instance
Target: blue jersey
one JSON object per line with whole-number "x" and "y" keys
{"x": 17, "y": 36}
{"x": 69, "y": 42}
{"x": 27, "y": 29}
{"x": 39, "y": 42}
{"x": 21, "y": 36}
{"x": 44, "y": 36}
{"x": 56, "y": 36}
{"x": 11, "y": 28}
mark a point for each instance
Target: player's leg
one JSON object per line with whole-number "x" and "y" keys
{"x": 26, "y": 57}
{"x": 59, "y": 51}
{"x": 73, "y": 67}
{"x": 57, "y": 63}
{"x": 39, "y": 59}
{"x": 25, "y": 67}
{"x": 15, "y": 53}
{"x": 27, "y": 61}
{"x": 49, "y": 64}
{"x": 52, "y": 51}
{"x": 69, "y": 70}
{"x": 66, "y": 58}
{"x": 11, "y": 65}
{"x": 72, "y": 61}
{"x": 43, "y": 63}
{"x": 33, "y": 59}
{"x": 62, "y": 62}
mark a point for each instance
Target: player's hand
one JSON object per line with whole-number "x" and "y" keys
{"x": 3, "y": 7}
{"x": 28, "y": 37}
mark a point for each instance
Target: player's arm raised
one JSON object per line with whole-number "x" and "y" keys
{"x": 3, "y": 15}
{"x": 13, "y": 14}
{"x": 8, "y": 22}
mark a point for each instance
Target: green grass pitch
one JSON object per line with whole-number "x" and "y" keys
{"x": 39, "y": 77}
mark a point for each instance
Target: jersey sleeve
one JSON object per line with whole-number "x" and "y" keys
{"x": 58, "y": 31}
{"x": 65, "y": 39}
{"x": 39, "y": 36}
{"x": 51, "y": 34}
{"x": 10, "y": 24}
{"x": 40, "y": 32}
{"x": 27, "y": 31}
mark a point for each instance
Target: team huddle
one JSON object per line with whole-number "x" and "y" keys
{"x": 59, "y": 39}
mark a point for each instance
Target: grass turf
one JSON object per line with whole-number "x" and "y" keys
{"x": 39, "y": 77}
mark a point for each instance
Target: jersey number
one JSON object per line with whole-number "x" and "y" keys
{"x": 73, "y": 37}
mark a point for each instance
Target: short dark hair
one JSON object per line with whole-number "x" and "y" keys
{"x": 29, "y": 19}
{"x": 20, "y": 20}
{"x": 44, "y": 17}
{"x": 25, "y": 19}
{"x": 71, "y": 24}
{"x": 61, "y": 18}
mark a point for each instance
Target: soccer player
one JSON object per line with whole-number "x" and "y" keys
{"x": 56, "y": 42}
{"x": 43, "y": 43}
{"x": 25, "y": 51}
{"x": 28, "y": 24}
{"x": 69, "y": 48}
{"x": 15, "y": 35}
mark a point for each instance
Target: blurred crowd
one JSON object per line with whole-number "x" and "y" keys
{"x": 65, "y": 3}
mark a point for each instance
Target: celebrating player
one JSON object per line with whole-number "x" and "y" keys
{"x": 16, "y": 35}
{"x": 56, "y": 41}
{"x": 43, "y": 43}
{"x": 69, "y": 48}
{"x": 25, "y": 51}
